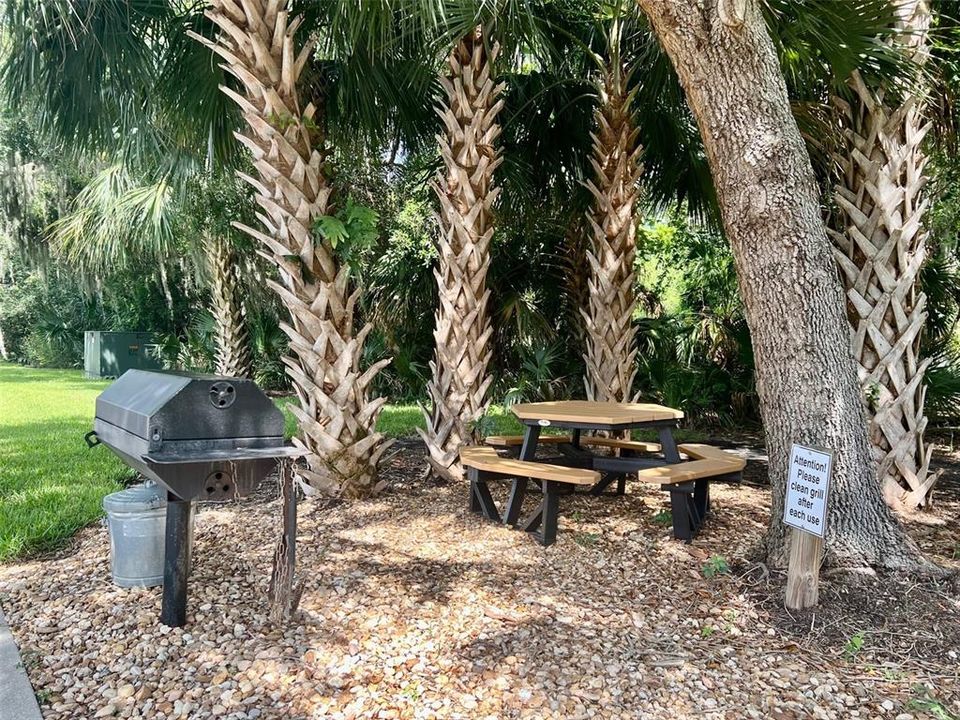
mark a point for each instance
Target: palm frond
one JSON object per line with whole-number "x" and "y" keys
{"x": 116, "y": 220}
{"x": 86, "y": 66}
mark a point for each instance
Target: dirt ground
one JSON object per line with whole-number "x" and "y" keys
{"x": 414, "y": 608}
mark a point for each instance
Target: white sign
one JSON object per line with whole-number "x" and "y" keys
{"x": 808, "y": 484}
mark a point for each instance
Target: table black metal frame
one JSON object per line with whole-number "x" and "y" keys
{"x": 689, "y": 501}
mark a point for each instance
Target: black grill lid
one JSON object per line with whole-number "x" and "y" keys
{"x": 159, "y": 406}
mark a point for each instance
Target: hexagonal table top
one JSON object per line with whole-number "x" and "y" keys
{"x": 593, "y": 413}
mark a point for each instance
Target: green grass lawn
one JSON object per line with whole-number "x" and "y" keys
{"x": 51, "y": 484}
{"x": 403, "y": 420}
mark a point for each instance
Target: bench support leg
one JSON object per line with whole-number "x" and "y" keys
{"x": 475, "y": 506}
{"x": 689, "y": 505}
{"x": 604, "y": 483}
{"x": 533, "y": 520}
{"x": 683, "y": 513}
{"x": 551, "y": 507}
{"x": 481, "y": 500}
{"x": 701, "y": 498}
{"x": 606, "y": 480}
{"x": 542, "y": 522}
{"x": 515, "y": 502}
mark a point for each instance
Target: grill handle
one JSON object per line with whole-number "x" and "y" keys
{"x": 91, "y": 439}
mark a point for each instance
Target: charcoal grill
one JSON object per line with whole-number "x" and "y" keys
{"x": 200, "y": 437}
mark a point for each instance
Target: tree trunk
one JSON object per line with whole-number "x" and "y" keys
{"x": 880, "y": 248}
{"x": 336, "y": 418}
{"x": 165, "y": 286}
{"x": 806, "y": 377}
{"x": 232, "y": 344}
{"x": 459, "y": 382}
{"x": 611, "y": 354}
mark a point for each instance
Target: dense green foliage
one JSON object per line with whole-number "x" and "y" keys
{"x": 116, "y": 169}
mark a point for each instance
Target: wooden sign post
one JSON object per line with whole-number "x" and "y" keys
{"x": 805, "y": 511}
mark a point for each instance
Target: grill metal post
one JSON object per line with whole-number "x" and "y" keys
{"x": 283, "y": 592}
{"x": 176, "y": 563}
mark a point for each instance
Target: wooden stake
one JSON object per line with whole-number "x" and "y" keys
{"x": 803, "y": 575}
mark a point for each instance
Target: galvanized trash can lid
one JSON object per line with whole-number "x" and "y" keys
{"x": 135, "y": 498}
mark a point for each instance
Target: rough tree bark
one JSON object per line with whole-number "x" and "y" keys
{"x": 459, "y": 382}
{"x": 880, "y": 248}
{"x": 806, "y": 377}
{"x": 232, "y": 344}
{"x": 336, "y": 418}
{"x": 611, "y": 354}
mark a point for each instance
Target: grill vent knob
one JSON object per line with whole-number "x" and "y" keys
{"x": 222, "y": 395}
{"x": 219, "y": 485}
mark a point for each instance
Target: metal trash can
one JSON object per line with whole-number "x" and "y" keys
{"x": 137, "y": 520}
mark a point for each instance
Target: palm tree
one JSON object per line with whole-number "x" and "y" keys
{"x": 117, "y": 220}
{"x": 469, "y": 147}
{"x": 337, "y": 420}
{"x": 59, "y": 55}
{"x": 879, "y": 242}
{"x": 466, "y": 191}
{"x": 87, "y": 84}
{"x": 232, "y": 342}
{"x": 608, "y": 317}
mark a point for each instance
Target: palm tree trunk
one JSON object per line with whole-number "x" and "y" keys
{"x": 880, "y": 248}
{"x": 232, "y": 343}
{"x": 610, "y": 357}
{"x": 337, "y": 420}
{"x": 460, "y": 380}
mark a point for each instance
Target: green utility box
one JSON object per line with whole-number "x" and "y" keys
{"x": 111, "y": 354}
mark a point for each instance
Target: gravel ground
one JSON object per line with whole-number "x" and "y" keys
{"x": 415, "y": 609}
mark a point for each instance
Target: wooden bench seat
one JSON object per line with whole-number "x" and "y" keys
{"x": 484, "y": 464}
{"x": 484, "y": 458}
{"x": 509, "y": 441}
{"x": 634, "y": 445}
{"x": 699, "y": 451}
{"x": 685, "y": 471}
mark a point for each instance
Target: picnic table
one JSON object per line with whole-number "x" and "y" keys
{"x": 584, "y": 415}
{"x": 579, "y": 416}
{"x": 580, "y": 467}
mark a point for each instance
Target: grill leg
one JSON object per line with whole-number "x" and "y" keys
{"x": 176, "y": 562}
